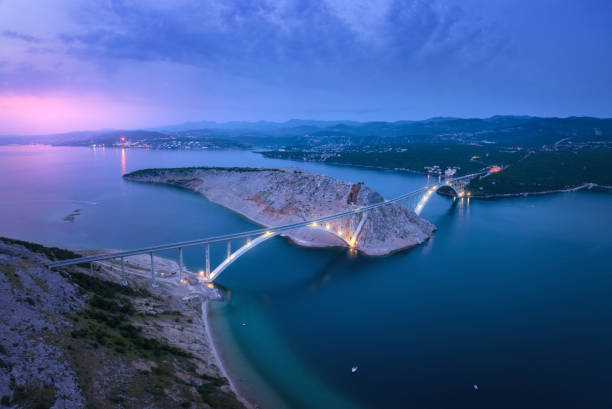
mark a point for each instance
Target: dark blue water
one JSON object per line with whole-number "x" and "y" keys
{"x": 512, "y": 295}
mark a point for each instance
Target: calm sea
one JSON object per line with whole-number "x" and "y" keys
{"x": 514, "y": 296}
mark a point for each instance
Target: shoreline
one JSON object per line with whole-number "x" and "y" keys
{"x": 412, "y": 171}
{"x": 134, "y": 266}
{"x": 584, "y": 186}
{"x": 353, "y": 165}
{"x": 219, "y": 361}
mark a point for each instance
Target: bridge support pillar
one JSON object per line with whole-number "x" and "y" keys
{"x": 180, "y": 264}
{"x": 207, "y": 251}
{"x": 123, "y": 273}
{"x": 357, "y": 231}
{"x": 153, "y": 274}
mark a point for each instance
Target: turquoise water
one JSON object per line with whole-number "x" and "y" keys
{"x": 510, "y": 295}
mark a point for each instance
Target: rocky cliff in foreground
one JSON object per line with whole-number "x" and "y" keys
{"x": 72, "y": 340}
{"x": 275, "y": 197}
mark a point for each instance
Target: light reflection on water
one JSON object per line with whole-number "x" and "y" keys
{"x": 123, "y": 164}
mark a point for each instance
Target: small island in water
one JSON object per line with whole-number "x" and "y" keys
{"x": 276, "y": 197}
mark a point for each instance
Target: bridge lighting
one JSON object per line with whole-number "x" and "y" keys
{"x": 248, "y": 243}
{"x": 417, "y": 198}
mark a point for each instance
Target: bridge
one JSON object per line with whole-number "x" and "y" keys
{"x": 415, "y": 200}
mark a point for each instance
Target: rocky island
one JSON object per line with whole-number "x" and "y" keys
{"x": 276, "y": 197}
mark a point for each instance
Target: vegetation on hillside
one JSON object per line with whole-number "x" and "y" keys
{"x": 180, "y": 171}
{"x": 109, "y": 321}
{"x": 117, "y": 339}
{"x": 524, "y": 170}
{"x": 53, "y": 253}
{"x": 549, "y": 171}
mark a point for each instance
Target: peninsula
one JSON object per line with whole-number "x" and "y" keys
{"x": 274, "y": 197}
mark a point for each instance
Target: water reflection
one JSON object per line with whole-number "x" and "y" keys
{"x": 123, "y": 165}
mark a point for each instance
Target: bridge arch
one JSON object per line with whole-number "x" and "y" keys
{"x": 451, "y": 187}
{"x": 265, "y": 237}
{"x": 426, "y": 193}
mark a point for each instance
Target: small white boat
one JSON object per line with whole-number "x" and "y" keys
{"x": 475, "y": 387}
{"x": 354, "y": 368}
{"x": 243, "y": 324}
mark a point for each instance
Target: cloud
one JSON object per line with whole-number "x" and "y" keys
{"x": 273, "y": 59}
{"x": 18, "y": 36}
{"x": 248, "y": 36}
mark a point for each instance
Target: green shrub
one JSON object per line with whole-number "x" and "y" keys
{"x": 53, "y": 253}
{"x": 104, "y": 288}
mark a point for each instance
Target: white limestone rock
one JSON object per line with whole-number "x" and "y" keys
{"x": 275, "y": 197}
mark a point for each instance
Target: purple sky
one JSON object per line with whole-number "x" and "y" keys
{"x": 90, "y": 64}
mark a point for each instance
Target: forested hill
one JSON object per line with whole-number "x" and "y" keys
{"x": 508, "y": 130}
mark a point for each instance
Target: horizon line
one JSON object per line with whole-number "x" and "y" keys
{"x": 159, "y": 128}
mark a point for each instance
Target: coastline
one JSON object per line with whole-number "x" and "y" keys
{"x": 137, "y": 266}
{"x": 353, "y": 165}
{"x": 219, "y": 361}
{"x": 588, "y": 186}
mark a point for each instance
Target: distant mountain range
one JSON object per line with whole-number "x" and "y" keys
{"x": 251, "y": 126}
{"x": 497, "y": 129}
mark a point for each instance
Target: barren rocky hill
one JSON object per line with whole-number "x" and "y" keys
{"x": 72, "y": 340}
{"x": 274, "y": 197}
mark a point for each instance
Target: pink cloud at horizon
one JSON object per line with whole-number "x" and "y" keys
{"x": 31, "y": 114}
